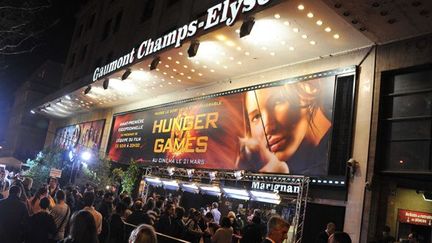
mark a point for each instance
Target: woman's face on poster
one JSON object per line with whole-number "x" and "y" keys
{"x": 271, "y": 114}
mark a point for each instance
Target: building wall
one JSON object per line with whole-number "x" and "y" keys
{"x": 364, "y": 57}
{"x": 393, "y": 56}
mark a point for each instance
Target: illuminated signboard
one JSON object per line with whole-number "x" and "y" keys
{"x": 413, "y": 217}
{"x": 86, "y": 135}
{"x": 223, "y": 13}
{"x": 282, "y": 127}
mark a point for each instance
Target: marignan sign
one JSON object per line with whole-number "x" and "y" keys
{"x": 225, "y": 12}
{"x": 275, "y": 187}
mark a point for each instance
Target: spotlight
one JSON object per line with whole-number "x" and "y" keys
{"x": 190, "y": 172}
{"x": 105, "y": 84}
{"x": 193, "y": 48}
{"x": 170, "y": 171}
{"x": 238, "y": 174}
{"x": 86, "y": 156}
{"x": 126, "y": 74}
{"x": 33, "y": 112}
{"x": 246, "y": 27}
{"x": 212, "y": 175}
{"x": 87, "y": 90}
{"x": 154, "y": 63}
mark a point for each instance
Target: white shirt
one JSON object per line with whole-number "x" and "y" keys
{"x": 216, "y": 215}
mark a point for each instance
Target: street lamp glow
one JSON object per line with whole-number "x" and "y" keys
{"x": 86, "y": 155}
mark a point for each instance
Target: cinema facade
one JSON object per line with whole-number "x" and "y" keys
{"x": 286, "y": 97}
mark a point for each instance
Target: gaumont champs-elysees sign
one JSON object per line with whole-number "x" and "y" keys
{"x": 225, "y": 12}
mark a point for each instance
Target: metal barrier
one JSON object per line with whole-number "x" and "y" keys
{"x": 162, "y": 238}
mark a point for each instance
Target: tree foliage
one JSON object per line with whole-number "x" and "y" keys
{"x": 22, "y": 23}
{"x": 128, "y": 178}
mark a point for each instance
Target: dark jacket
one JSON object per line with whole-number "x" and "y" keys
{"x": 41, "y": 228}
{"x": 251, "y": 233}
{"x": 322, "y": 237}
{"x": 117, "y": 230}
{"x": 164, "y": 225}
{"x": 14, "y": 216}
{"x": 138, "y": 217}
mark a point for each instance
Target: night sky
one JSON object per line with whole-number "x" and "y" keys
{"x": 52, "y": 45}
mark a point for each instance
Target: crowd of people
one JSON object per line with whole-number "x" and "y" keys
{"x": 78, "y": 215}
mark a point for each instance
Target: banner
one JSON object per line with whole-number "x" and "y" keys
{"x": 80, "y": 136}
{"x": 413, "y": 217}
{"x": 281, "y": 127}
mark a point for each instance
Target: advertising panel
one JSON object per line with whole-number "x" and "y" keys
{"x": 281, "y": 127}
{"x": 413, "y": 217}
{"x": 86, "y": 135}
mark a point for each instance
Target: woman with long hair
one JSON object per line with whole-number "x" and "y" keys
{"x": 82, "y": 228}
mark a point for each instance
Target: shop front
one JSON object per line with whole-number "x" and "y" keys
{"x": 264, "y": 105}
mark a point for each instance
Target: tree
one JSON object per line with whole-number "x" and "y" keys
{"x": 128, "y": 178}
{"x": 39, "y": 167}
{"x": 23, "y": 21}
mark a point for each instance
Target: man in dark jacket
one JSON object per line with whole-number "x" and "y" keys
{"x": 252, "y": 232}
{"x": 14, "y": 216}
{"x": 41, "y": 226}
{"x": 138, "y": 215}
{"x": 324, "y": 235}
{"x": 277, "y": 230}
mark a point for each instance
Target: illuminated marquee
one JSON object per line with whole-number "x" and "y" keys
{"x": 225, "y": 12}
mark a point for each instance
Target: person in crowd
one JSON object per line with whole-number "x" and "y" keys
{"x": 179, "y": 227}
{"x": 149, "y": 210}
{"x": 412, "y": 237}
{"x": 127, "y": 200}
{"x": 252, "y": 232}
{"x": 164, "y": 225}
{"x": 99, "y": 197}
{"x": 143, "y": 234}
{"x": 13, "y": 217}
{"x": 117, "y": 225}
{"x": 33, "y": 202}
{"x": 339, "y": 237}
{"x": 216, "y": 213}
{"x": 82, "y": 228}
{"x": 138, "y": 215}
{"x": 224, "y": 233}
{"x": 277, "y": 230}
{"x": 78, "y": 200}
{"x": 28, "y": 184}
{"x": 158, "y": 206}
{"x": 194, "y": 232}
{"x": 233, "y": 221}
{"x": 4, "y": 183}
{"x": 105, "y": 207}
{"x": 61, "y": 214}
{"x": 70, "y": 200}
{"x": 88, "y": 200}
{"x": 324, "y": 235}
{"x": 41, "y": 226}
{"x": 386, "y": 237}
{"x": 53, "y": 187}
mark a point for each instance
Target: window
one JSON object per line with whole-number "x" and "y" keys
{"x": 148, "y": 10}
{"x": 72, "y": 60}
{"x": 106, "y": 30}
{"x": 406, "y": 121}
{"x": 91, "y": 21}
{"x": 83, "y": 52}
{"x": 118, "y": 21}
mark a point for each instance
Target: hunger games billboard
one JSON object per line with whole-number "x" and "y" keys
{"x": 85, "y": 135}
{"x": 281, "y": 127}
